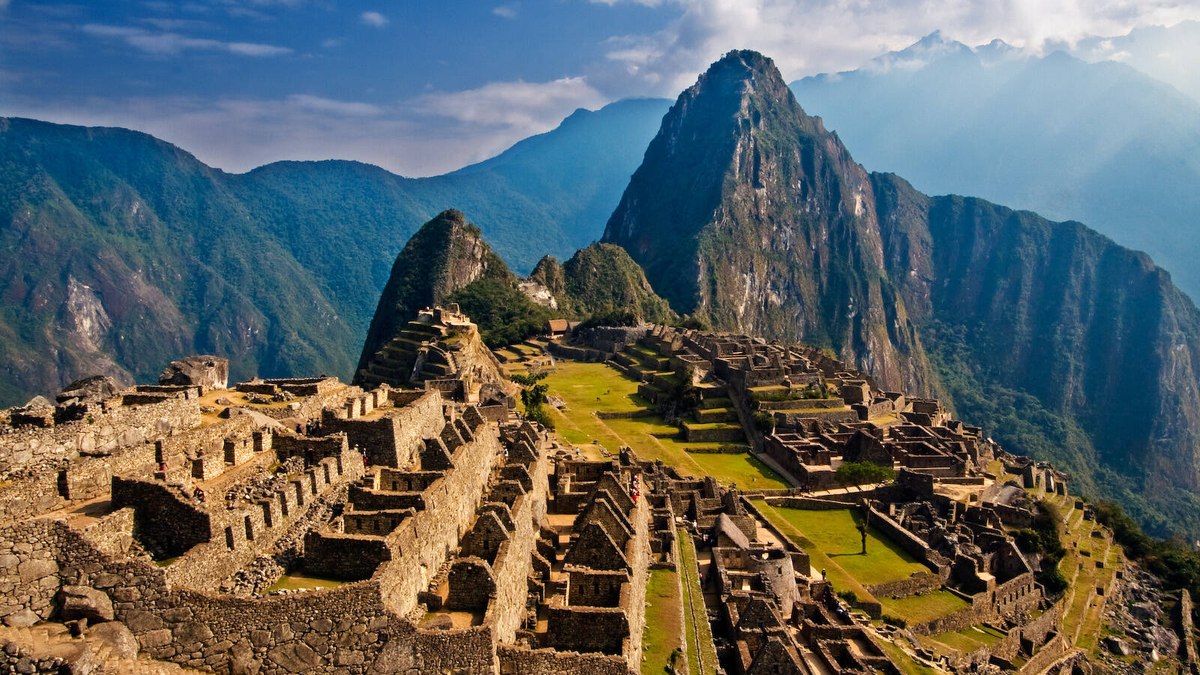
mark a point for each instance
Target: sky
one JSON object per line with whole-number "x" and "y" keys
{"x": 421, "y": 87}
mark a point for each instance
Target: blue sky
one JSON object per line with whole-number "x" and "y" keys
{"x": 424, "y": 86}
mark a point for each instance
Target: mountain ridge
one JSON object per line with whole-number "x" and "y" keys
{"x": 1041, "y": 330}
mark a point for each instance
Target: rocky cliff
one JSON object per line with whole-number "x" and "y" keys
{"x": 748, "y": 213}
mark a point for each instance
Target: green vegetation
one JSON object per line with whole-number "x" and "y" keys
{"x": 863, "y": 473}
{"x": 702, "y": 653}
{"x": 663, "y": 633}
{"x": 833, "y": 543}
{"x": 1043, "y": 539}
{"x": 534, "y": 397}
{"x": 920, "y": 608}
{"x": 969, "y": 638}
{"x": 780, "y": 393}
{"x": 296, "y": 581}
{"x": 587, "y": 388}
{"x": 1173, "y": 561}
{"x": 503, "y": 313}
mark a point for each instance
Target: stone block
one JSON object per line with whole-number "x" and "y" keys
{"x": 155, "y": 638}
{"x": 84, "y": 602}
{"x": 294, "y": 658}
{"x": 118, "y": 637}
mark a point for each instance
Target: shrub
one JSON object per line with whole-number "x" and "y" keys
{"x": 764, "y": 422}
{"x": 896, "y": 621}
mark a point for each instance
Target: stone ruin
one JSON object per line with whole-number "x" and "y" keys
{"x": 436, "y": 535}
{"x": 415, "y": 524}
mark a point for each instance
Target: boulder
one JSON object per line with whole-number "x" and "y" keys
{"x": 22, "y": 618}
{"x": 85, "y": 602}
{"x": 94, "y": 388}
{"x": 1117, "y": 646}
{"x": 210, "y": 372}
{"x": 118, "y": 638}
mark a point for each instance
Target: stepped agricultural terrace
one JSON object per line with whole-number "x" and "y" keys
{"x": 415, "y": 523}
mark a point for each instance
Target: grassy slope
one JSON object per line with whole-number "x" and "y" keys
{"x": 588, "y": 387}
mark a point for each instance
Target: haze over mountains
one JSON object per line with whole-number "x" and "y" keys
{"x": 1101, "y": 143}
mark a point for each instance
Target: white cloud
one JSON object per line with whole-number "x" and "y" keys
{"x": 373, "y": 19}
{"x": 349, "y": 108}
{"x": 508, "y": 11}
{"x": 168, "y": 43}
{"x": 529, "y": 106}
{"x": 810, "y": 36}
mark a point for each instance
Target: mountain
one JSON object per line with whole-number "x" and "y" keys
{"x": 747, "y": 213}
{"x": 124, "y": 252}
{"x": 1067, "y": 346}
{"x": 1166, "y": 53}
{"x": 448, "y": 262}
{"x": 1102, "y": 143}
{"x": 601, "y": 279}
{"x": 446, "y": 255}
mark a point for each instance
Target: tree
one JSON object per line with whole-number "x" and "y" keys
{"x": 534, "y": 395}
{"x": 862, "y": 473}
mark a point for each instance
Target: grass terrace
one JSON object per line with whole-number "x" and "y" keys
{"x": 702, "y": 653}
{"x": 296, "y": 581}
{"x": 664, "y": 615}
{"x": 833, "y": 542}
{"x": 588, "y": 388}
{"x": 968, "y": 639}
{"x": 921, "y": 608}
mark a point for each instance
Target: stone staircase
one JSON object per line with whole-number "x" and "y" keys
{"x": 49, "y": 647}
{"x": 410, "y": 356}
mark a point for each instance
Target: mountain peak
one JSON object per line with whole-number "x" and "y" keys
{"x": 740, "y": 204}
{"x": 443, "y": 256}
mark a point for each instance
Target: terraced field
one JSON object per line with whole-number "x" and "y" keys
{"x": 590, "y": 388}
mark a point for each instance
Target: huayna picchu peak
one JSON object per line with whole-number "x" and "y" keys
{"x": 747, "y": 213}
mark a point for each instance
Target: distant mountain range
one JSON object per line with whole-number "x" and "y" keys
{"x": 123, "y": 252}
{"x": 1101, "y": 143}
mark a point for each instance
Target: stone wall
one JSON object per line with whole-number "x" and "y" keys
{"x": 590, "y": 629}
{"x": 422, "y": 543}
{"x": 521, "y": 660}
{"x": 918, "y": 583}
{"x": 164, "y": 521}
{"x": 28, "y": 456}
{"x": 394, "y": 439}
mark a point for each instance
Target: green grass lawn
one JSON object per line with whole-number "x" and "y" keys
{"x": 702, "y": 653}
{"x": 905, "y": 662}
{"x": 970, "y": 638}
{"x": 833, "y": 542}
{"x": 921, "y": 608}
{"x": 297, "y": 581}
{"x": 590, "y": 387}
{"x": 664, "y": 629}
{"x": 594, "y": 386}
